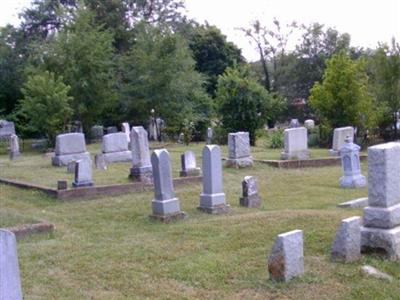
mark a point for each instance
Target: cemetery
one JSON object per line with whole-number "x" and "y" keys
{"x": 145, "y": 155}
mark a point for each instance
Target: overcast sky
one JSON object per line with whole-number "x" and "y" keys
{"x": 367, "y": 21}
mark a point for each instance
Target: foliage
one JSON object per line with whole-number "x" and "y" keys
{"x": 45, "y": 105}
{"x": 212, "y": 53}
{"x": 243, "y": 104}
{"x": 158, "y": 73}
{"x": 276, "y": 139}
{"x": 385, "y": 78}
{"x": 342, "y": 98}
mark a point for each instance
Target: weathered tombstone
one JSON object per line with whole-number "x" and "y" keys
{"x": 100, "y": 162}
{"x": 14, "y": 147}
{"x": 166, "y": 206}
{"x": 69, "y": 147}
{"x": 6, "y": 129}
{"x": 381, "y": 226}
{"x": 115, "y": 148}
{"x": 209, "y": 136}
{"x": 294, "y": 123}
{"x": 83, "y": 173}
{"x": 239, "y": 150}
{"x": 181, "y": 138}
{"x": 350, "y": 155}
{"x": 339, "y": 137}
{"x": 309, "y": 124}
{"x": 250, "y": 196}
{"x": 111, "y": 129}
{"x": 71, "y": 166}
{"x": 97, "y": 132}
{"x": 286, "y": 260}
{"x": 10, "y": 280}
{"x": 295, "y": 144}
{"x": 347, "y": 244}
{"x": 127, "y": 130}
{"x": 212, "y": 199}
{"x": 188, "y": 163}
{"x": 141, "y": 166}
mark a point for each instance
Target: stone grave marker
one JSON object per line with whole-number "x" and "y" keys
{"x": 212, "y": 199}
{"x": 350, "y": 156}
{"x": 286, "y": 260}
{"x": 239, "y": 150}
{"x": 111, "y": 129}
{"x": 115, "y": 148}
{"x": 97, "y": 132}
{"x": 6, "y": 129}
{"x": 339, "y": 139}
{"x": 250, "y": 197}
{"x": 209, "y": 136}
{"x": 127, "y": 130}
{"x": 189, "y": 166}
{"x": 296, "y": 146}
{"x": 166, "y": 206}
{"x": 14, "y": 147}
{"x": 381, "y": 222}
{"x": 309, "y": 124}
{"x": 10, "y": 280}
{"x": 83, "y": 173}
{"x": 347, "y": 244}
{"x": 70, "y": 147}
{"x": 294, "y": 123}
{"x": 141, "y": 166}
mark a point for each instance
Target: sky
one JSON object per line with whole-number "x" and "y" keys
{"x": 367, "y": 21}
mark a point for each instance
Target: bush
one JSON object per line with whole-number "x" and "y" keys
{"x": 277, "y": 139}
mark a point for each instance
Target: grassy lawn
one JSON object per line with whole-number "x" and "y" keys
{"x": 108, "y": 248}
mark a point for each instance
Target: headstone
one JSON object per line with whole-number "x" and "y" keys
{"x": 6, "y": 129}
{"x": 347, "y": 244}
{"x": 76, "y": 126}
{"x": 71, "y": 166}
{"x": 295, "y": 144}
{"x": 100, "y": 162}
{"x": 339, "y": 139}
{"x": 286, "y": 260}
{"x": 209, "y": 136}
{"x": 294, "y": 123}
{"x": 309, "y": 124}
{"x": 166, "y": 206}
{"x": 127, "y": 130}
{"x": 181, "y": 138}
{"x": 381, "y": 222}
{"x": 97, "y": 132}
{"x": 114, "y": 148}
{"x": 350, "y": 156}
{"x": 111, "y": 129}
{"x": 239, "y": 150}
{"x": 250, "y": 196}
{"x": 70, "y": 147}
{"x": 212, "y": 199}
{"x": 14, "y": 147}
{"x": 10, "y": 280}
{"x": 141, "y": 166}
{"x": 188, "y": 163}
{"x": 83, "y": 173}
{"x": 62, "y": 185}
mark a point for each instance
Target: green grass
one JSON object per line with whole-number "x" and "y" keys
{"x": 108, "y": 248}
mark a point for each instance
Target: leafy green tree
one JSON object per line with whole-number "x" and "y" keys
{"x": 243, "y": 104}
{"x": 385, "y": 77}
{"x": 158, "y": 73}
{"x": 212, "y": 53}
{"x": 45, "y": 106}
{"x": 342, "y": 98}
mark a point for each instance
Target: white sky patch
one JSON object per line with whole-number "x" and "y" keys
{"x": 367, "y": 21}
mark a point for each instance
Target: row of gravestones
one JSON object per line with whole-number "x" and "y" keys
{"x": 379, "y": 229}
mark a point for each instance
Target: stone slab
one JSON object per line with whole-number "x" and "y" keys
{"x": 244, "y": 162}
{"x": 239, "y": 145}
{"x": 63, "y": 160}
{"x": 356, "y": 203}
{"x": 347, "y": 244}
{"x": 114, "y": 142}
{"x": 170, "y": 217}
{"x": 70, "y": 143}
{"x": 123, "y": 156}
{"x": 381, "y": 239}
{"x": 191, "y": 172}
{"x": 216, "y": 209}
{"x": 382, "y": 217}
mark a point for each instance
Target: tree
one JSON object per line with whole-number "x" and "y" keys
{"x": 45, "y": 105}
{"x": 212, "y": 53}
{"x": 158, "y": 73}
{"x": 342, "y": 99}
{"x": 243, "y": 104}
{"x": 385, "y": 75}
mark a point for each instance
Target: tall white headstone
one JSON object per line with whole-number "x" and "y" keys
{"x": 127, "y": 130}
{"x": 296, "y": 144}
{"x": 339, "y": 139}
{"x": 14, "y": 147}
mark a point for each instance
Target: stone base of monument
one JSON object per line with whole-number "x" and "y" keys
{"x": 381, "y": 239}
{"x": 169, "y": 217}
{"x": 334, "y": 152}
{"x": 142, "y": 174}
{"x": 213, "y": 204}
{"x": 357, "y": 181}
{"x": 14, "y": 155}
{"x": 190, "y": 172}
{"x": 63, "y": 160}
{"x": 216, "y": 210}
{"x": 244, "y": 162}
{"x": 382, "y": 217}
{"x": 253, "y": 201}
{"x": 121, "y": 156}
{"x": 305, "y": 154}
{"x": 82, "y": 184}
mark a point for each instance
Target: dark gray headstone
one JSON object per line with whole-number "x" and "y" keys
{"x": 10, "y": 281}
{"x": 250, "y": 196}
